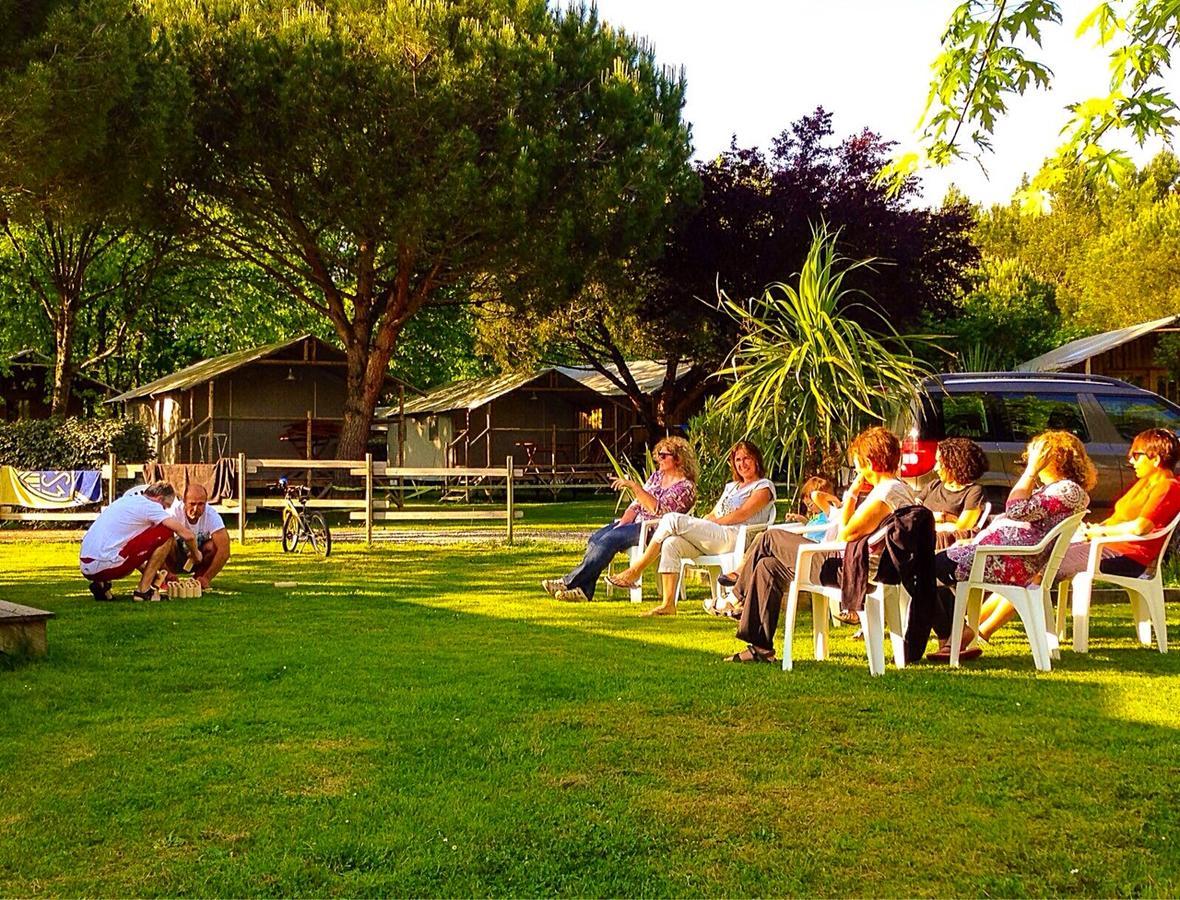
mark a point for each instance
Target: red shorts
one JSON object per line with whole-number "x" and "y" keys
{"x": 135, "y": 553}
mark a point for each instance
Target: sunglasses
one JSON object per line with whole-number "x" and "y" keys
{"x": 1134, "y": 455}
{"x": 664, "y": 454}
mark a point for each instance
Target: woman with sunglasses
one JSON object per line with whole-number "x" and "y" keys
{"x": 1148, "y": 505}
{"x": 672, "y": 488}
{"x": 747, "y": 499}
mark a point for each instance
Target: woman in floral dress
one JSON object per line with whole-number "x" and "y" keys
{"x": 1052, "y": 488}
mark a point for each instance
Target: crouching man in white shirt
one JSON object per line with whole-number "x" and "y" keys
{"x": 212, "y": 537}
{"x": 134, "y": 532}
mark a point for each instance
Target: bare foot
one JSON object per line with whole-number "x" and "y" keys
{"x": 660, "y": 611}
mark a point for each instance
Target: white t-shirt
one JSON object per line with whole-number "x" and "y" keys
{"x": 130, "y": 515}
{"x": 209, "y": 522}
{"x": 893, "y": 492}
{"x": 735, "y": 495}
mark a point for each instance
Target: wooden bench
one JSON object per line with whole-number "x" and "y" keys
{"x": 22, "y": 629}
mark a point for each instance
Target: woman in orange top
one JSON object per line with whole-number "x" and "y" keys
{"x": 1150, "y": 504}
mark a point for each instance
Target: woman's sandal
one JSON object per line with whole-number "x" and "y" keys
{"x": 616, "y": 582}
{"x": 755, "y": 656}
{"x": 150, "y": 594}
{"x": 848, "y": 617}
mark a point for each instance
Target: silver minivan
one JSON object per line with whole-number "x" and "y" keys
{"x": 1002, "y": 411}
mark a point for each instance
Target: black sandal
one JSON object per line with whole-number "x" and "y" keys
{"x": 755, "y": 656}
{"x": 150, "y": 594}
{"x": 101, "y": 590}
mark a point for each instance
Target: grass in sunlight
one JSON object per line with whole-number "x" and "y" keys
{"x": 422, "y": 720}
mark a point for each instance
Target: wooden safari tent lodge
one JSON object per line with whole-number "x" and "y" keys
{"x": 26, "y": 383}
{"x": 556, "y": 420}
{"x": 283, "y": 400}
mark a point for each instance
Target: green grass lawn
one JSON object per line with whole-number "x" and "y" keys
{"x": 420, "y": 720}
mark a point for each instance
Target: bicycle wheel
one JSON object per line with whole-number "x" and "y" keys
{"x": 319, "y": 534}
{"x": 290, "y": 532}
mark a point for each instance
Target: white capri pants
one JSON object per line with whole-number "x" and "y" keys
{"x": 686, "y": 536}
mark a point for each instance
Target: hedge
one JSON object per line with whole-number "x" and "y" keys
{"x": 70, "y": 443}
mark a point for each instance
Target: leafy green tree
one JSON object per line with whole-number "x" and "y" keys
{"x": 1006, "y": 317}
{"x": 808, "y": 377}
{"x": 1130, "y": 274}
{"x": 371, "y": 157}
{"x": 750, "y": 227}
{"x": 90, "y": 110}
{"x": 985, "y": 61}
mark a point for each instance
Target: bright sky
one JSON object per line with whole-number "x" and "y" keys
{"x": 754, "y": 66}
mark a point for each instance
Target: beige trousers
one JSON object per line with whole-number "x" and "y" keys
{"x": 685, "y": 537}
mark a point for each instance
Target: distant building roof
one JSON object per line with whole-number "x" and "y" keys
{"x": 472, "y": 393}
{"x": 208, "y": 369}
{"x": 1077, "y": 352}
{"x": 36, "y": 359}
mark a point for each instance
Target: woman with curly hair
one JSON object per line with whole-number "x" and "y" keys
{"x": 672, "y": 488}
{"x": 955, "y": 498}
{"x": 1053, "y": 487}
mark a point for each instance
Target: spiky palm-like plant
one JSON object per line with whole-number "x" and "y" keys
{"x": 808, "y": 375}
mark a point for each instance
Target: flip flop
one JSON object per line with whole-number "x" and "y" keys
{"x": 616, "y": 582}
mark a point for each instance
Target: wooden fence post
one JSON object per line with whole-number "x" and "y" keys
{"x": 369, "y": 499}
{"x": 511, "y": 511}
{"x": 113, "y": 483}
{"x": 241, "y": 498}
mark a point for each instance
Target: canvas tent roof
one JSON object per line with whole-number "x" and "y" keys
{"x": 472, "y": 393}
{"x": 469, "y": 393}
{"x": 1076, "y": 352}
{"x": 208, "y": 369}
{"x": 648, "y": 375}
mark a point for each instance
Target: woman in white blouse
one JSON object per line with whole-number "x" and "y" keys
{"x": 748, "y": 498}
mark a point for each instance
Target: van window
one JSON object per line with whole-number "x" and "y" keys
{"x": 1131, "y": 415}
{"x": 1030, "y": 414}
{"x": 966, "y": 416}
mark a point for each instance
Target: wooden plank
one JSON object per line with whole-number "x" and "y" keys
{"x": 426, "y": 515}
{"x": 277, "y": 503}
{"x": 13, "y": 613}
{"x": 409, "y": 472}
{"x": 293, "y": 463}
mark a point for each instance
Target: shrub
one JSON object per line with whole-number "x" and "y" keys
{"x": 70, "y": 443}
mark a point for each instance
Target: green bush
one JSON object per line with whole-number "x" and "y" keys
{"x": 71, "y": 443}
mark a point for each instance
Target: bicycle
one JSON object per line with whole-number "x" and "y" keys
{"x": 301, "y": 528}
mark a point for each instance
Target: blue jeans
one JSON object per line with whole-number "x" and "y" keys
{"x": 604, "y": 544}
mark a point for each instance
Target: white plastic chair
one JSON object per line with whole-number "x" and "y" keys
{"x": 1146, "y": 594}
{"x": 1033, "y": 602}
{"x": 883, "y": 609}
{"x": 719, "y": 563}
{"x": 646, "y": 527}
{"x": 984, "y": 513}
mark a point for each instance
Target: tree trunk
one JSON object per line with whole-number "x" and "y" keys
{"x": 63, "y": 362}
{"x": 368, "y": 363}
